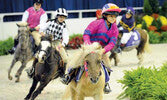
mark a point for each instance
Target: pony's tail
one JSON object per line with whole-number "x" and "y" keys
{"x": 67, "y": 93}
{"x": 147, "y": 46}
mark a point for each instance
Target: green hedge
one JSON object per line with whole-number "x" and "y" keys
{"x": 155, "y": 38}
{"x": 145, "y": 83}
{"x": 6, "y": 45}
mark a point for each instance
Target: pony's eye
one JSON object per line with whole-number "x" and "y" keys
{"x": 87, "y": 62}
{"x": 98, "y": 61}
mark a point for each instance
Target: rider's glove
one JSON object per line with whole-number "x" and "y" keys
{"x": 32, "y": 29}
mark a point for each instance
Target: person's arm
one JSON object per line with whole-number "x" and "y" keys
{"x": 25, "y": 16}
{"x": 65, "y": 37}
{"x": 131, "y": 26}
{"x": 43, "y": 19}
{"x": 91, "y": 29}
{"x": 43, "y": 27}
{"x": 112, "y": 41}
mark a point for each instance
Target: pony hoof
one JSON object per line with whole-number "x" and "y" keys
{"x": 17, "y": 81}
{"x": 26, "y": 99}
{"x": 17, "y": 75}
{"x": 10, "y": 77}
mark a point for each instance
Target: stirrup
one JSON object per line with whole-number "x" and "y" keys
{"x": 65, "y": 79}
{"x": 107, "y": 91}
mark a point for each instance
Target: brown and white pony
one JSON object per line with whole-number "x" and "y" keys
{"x": 141, "y": 48}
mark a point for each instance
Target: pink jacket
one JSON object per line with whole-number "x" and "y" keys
{"x": 34, "y": 16}
{"x": 97, "y": 31}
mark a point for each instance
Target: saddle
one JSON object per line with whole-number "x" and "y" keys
{"x": 133, "y": 42}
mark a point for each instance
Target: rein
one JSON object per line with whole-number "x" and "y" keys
{"x": 86, "y": 69}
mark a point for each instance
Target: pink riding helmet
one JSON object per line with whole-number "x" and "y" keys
{"x": 110, "y": 7}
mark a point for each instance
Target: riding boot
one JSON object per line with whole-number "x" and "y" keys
{"x": 107, "y": 86}
{"x": 120, "y": 48}
{"x": 36, "y": 48}
{"x": 68, "y": 77}
{"x": 31, "y": 70}
{"x": 11, "y": 51}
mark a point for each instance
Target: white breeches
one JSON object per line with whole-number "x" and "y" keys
{"x": 126, "y": 37}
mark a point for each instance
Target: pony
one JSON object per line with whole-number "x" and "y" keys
{"x": 24, "y": 50}
{"x": 49, "y": 66}
{"x": 92, "y": 81}
{"x": 141, "y": 46}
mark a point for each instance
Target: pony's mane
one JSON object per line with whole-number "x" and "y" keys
{"x": 22, "y": 24}
{"x": 76, "y": 59}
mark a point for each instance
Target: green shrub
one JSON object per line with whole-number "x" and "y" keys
{"x": 163, "y": 37}
{"x": 154, "y": 6}
{"x": 163, "y": 11}
{"x": 147, "y": 8}
{"x": 75, "y": 35}
{"x": 5, "y": 45}
{"x": 144, "y": 25}
{"x": 145, "y": 83}
{"x": 157, "y": 23}
{"x": 153, "y": 38}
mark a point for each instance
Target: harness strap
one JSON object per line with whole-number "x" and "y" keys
{"x": 86, "y": 68}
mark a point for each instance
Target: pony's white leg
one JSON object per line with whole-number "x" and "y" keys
{"x": 140, "y": 57}
{"x": 10, "y": 69}
{"x": 73, "y": 94}
{"x": 99, "y": 96}
{"x": 80, "y": 97}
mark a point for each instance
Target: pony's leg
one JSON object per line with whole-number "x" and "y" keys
{"x": 34, "y": 84}
{"x": 19, "y": 71}
{"x": 99, "y": 96}
{"x": 140, "y": 57}
{"x": 80, "y": 97}
{"x": 73, "y": 94}
{"x": 115, "y": 57}
{"x": 39, "y": 89}
{"x": 10, "y": 69}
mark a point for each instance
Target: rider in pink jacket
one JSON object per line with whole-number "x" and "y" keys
{"x": 98, "y": 31}
{"x": 105, "y": 32}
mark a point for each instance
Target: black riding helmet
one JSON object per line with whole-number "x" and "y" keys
{"x": 38, "y": 1}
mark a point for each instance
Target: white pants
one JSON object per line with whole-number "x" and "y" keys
{"x": 126, "y": 37}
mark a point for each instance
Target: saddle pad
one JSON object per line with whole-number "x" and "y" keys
{"x": 134, "y": 39}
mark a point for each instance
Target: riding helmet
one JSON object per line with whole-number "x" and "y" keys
{"x": 110, "y": 9}
{"x": 38, "y": 1}
{"x": 61, "y": 12}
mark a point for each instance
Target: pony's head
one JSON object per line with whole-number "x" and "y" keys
{"x": 93, "y": 63}
{"x": 44, "y": 49}
{"x": 23, "y": 34}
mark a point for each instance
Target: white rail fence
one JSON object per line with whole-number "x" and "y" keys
{"x": 75, "y": 25}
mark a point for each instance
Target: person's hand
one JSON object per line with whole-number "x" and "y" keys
{"x": 42, "y": 34}
{"x": 32, "y": 29}
{"x": 102, "y": 51}
{"x": 58, "y": 47}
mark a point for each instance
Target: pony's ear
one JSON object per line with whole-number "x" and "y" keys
{"x": 17, "y": 25}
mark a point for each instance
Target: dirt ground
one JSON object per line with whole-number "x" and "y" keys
{"x": 9, "y": 90}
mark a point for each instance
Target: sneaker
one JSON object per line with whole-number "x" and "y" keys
{"x": 118, "y": 50}
{"x": 107, "y": 88}
{"x": 30, "y": 72}
{"x": 65, "y": 79}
